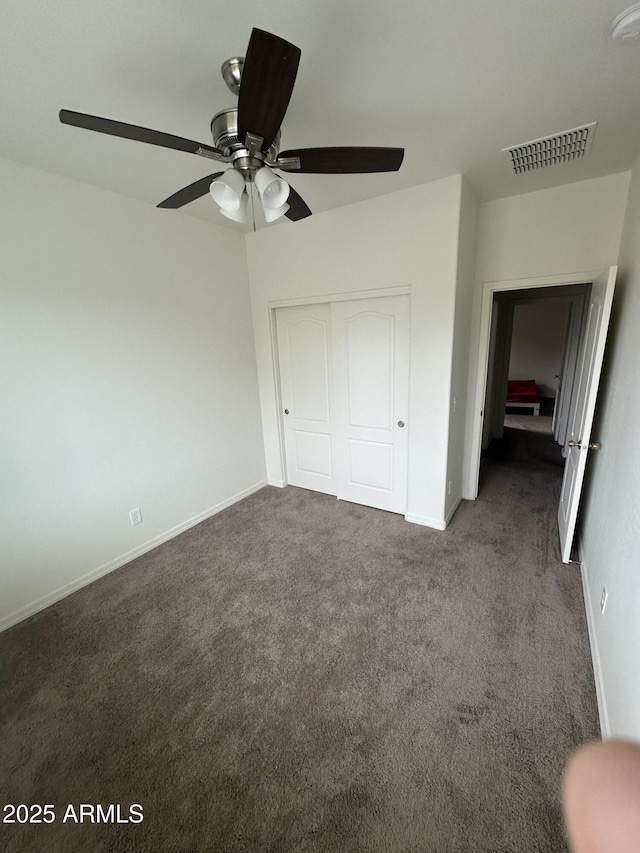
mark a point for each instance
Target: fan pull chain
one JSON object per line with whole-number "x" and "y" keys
{"x": 253, "y": 209}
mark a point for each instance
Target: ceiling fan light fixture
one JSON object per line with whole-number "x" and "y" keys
{"x": 274, "y": 191}
{"x": 227, "y": 190}
{"x": 273, "y": 213}
{"x": 239, "y": 215}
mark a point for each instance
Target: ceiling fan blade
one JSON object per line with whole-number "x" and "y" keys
{"x": 298, "y": 208}
{"x": 139, "y": 134}
{"x": 334, "y": 161}
{"x": 268, "y": 76}
{"x": 187, "y": 194}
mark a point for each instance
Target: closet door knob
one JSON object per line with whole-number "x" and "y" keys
{"x": 286, "y": 411}
{"x": 400, "y": 424}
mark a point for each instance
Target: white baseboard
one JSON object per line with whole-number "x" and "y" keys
{"x": 605, "y": 728}
{"x": 279, "y": 484}
{"x": 436, "y": 523}
{"x": 63, "y": 591}
{"x": 451, "y": 512}
{"x": 425, "y": 521}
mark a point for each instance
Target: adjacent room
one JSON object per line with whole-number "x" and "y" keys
{"x": 281, "y": 569}
{"x": 535, "y": 364}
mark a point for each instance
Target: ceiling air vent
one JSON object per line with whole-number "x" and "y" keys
{"x": 568, "y": 145}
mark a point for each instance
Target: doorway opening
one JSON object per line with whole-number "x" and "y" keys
{"x": 582, "y": 399}
{"x": 536, "y": 335}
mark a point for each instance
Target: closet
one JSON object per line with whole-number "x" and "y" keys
{"x": 344, "y": 390}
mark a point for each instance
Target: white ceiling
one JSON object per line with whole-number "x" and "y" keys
{"x": 452, "y": 81}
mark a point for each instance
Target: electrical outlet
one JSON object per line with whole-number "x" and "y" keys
{"x": 603, "y": 599}
{"x": 455, "y": 403}
{"x": 449, "y": 489}
{"x": 136, "y": 516}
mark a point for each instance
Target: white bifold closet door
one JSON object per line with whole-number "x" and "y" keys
{"x": 344, "y": 372}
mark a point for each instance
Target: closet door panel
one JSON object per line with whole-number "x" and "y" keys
{"x": 304, "y": 342}
{"x": 371, "y": 399}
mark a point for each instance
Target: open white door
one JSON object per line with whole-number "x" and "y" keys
{"x": 590, "y": 366}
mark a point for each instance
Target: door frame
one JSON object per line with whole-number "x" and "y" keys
{"x": 489, "y": 288}
{"x": 272, "y": 306}
{"x": 498, "y": 371}
{"x": 573, "y": 295}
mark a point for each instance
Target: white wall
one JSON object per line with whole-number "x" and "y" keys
{"x": 404, "y": 239}
{"x": 537, "y": 343}
{"x": 562, "y": 230}
{"x": 128, "y": 379}
{"x": 610, "y": 514}
{"x": 460, "y": 356}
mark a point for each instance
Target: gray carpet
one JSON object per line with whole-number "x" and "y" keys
{"x": 529, "y": 423}
{"x": 527, "y": 447}
{"x": 301, "y": 674}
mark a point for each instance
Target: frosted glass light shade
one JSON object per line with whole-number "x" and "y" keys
{"x": 274, "y": 191}
{"x": 227, "y": 190}
{"x": 239, "y": 215}
{"x": 271, "y": 214}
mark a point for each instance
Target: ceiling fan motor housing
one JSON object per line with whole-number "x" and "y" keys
{"x": 224, "y": 129}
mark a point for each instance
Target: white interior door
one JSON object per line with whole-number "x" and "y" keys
{"x": 590, "y": 366}
{"x": 569, "y": 368}
{"x": 304, "y": 342}
{"x": 371, "y": 400}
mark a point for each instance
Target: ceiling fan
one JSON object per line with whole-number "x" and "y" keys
{"x": 248, "y": 138}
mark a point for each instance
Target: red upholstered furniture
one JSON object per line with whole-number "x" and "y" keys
{"x": 523, "y": 394}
